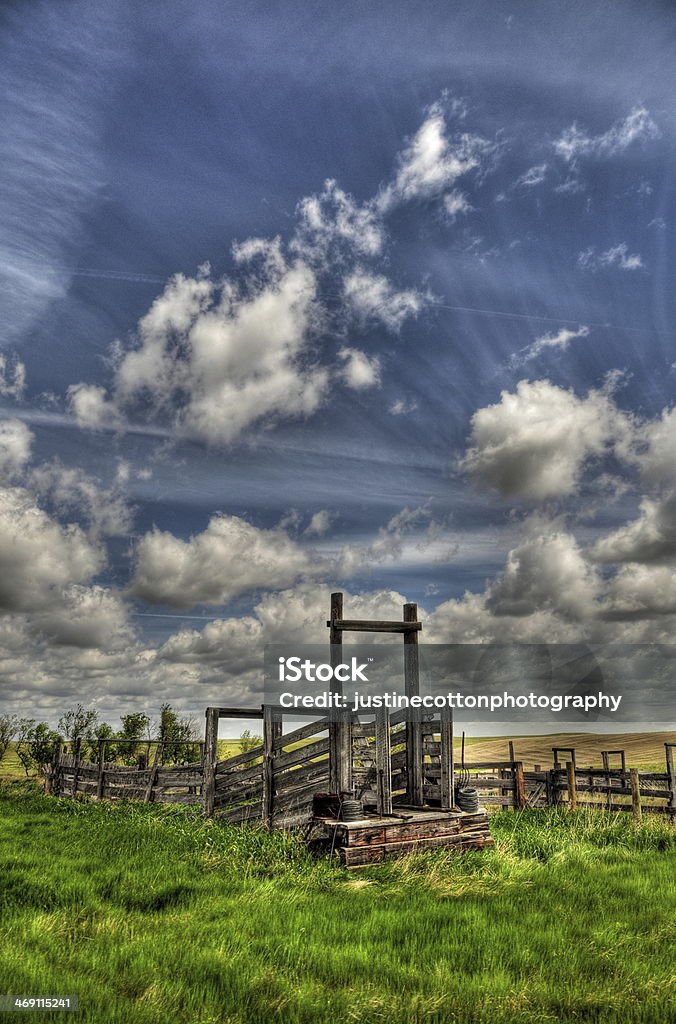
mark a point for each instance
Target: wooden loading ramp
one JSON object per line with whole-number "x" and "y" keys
{"x": 374, "y": 839}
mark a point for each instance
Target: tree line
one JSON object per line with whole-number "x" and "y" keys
{"x": 35, "y": 742}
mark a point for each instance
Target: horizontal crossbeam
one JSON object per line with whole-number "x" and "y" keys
{"x": 374, "y": 626}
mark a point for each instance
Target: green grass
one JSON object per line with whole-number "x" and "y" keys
{"x": 150, "y": 914}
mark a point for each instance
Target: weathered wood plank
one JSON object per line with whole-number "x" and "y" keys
{"x": 302, "y": 733}
{"x": 302, "y": 754}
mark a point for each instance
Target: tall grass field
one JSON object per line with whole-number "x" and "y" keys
{"x": 152, "y": 914}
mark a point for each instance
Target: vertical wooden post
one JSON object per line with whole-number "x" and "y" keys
{"x": 340, "y": 731}
{"x": 414, "y": 751}
{"x": 536, "y": 767}
{"x": 272, "y": 730}
{"x": 606, "y": 768}
{"x": 210, "y": 757}
{"x": 671, "y": 777}
{"x": 383, "y": 761}
{"x": 53, "y": 779}
{"x": 572, "y": 786}
{"x": 635, "y": 783}
{"x": 519, "y": 786}
{"x": 446, "y": 759}
{"x": 102, "y": 761}
{"x": 152, "y": 775}
{"x": 511, "y": 751}
{"x": 76, "y": 764}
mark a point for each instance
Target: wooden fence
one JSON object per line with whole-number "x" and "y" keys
{"x": 276, "y": 781}
{"x": 70, "y": 775}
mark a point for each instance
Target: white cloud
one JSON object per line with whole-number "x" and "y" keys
{"x": 640, "y": 592}
{"x": 638, "y": 126}
{"x": 657, "y": 449}
{"x": 373, "y": 297}
{"x": 334, "y": 224}
{"x": 219, "y": 358}
{"x": 15, "y": 448}
{"x": 91, "y": 407}
{"x": 649, "y": 538}
{"x": 456, "y": 203}
{"x": 319, "y": 524}
{"x": 547, "y": 573}
{"x": 38, "y": 556}
{"x": 359, "y": 371}
{"x": 617, "y": 256}
{"x": 559, "y": 340}
{"x": 534, "y": 443}
{"x": 230, "y": 557}
{"x": 12, "y": 377}
{"x": 74, "y": 492}
{"x": 401, "y": 406}
{"x": 532, "y": 177}
{"x": 432, "y": 162}
{"x": 86, "y": 617}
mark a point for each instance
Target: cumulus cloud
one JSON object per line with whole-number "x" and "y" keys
{"x": 38, "y": 556}
{"x": 85, "y": 617}
{"x": 334, "y": 224}
{"x": 638, "y": 126}
{"x": 432, "y": 161}
{"x": 230, "y": 557}
{"x": 74, "y": 492}
{"x": 617, "y": 256}
{"x": 657, "y": 453}
{"x": 373, "y": 297}
{"x": 15, "y": 448}
{"x": 535, "y": 442}
{"x": 216, "y": 357}
{"x": 649, "y": 538}
{"x": 92, "y": 408}
{"x": 359, "y": 371}
{"x": 558, "y": 340}
{"x": 12, "y": 377}
{"x": 546, "y": 573}
{"x": 319, "y": 524}
{"x": 639, "y": 592}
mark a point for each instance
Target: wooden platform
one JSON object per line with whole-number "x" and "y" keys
{"x": 373, "y": 839}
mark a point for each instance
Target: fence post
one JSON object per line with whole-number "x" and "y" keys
{"x": 671, "y": 776}
{"x": 340, "y": 733}
{"x": 606, "y": 768}
{"x": 414, "y": 752}
{"x": 152, "y": 776}
{"x": 446, "y": 759}
{"x": 52, "y": 782}
{"x": 102, "y": 760}
{"x": 572, "y": 786}
{"x": 210, "y": 756}
{"x": 77, "y": 746}
{"x": 519, "y": 786}
{"x": 272, "y": 730}
{"x": 635, "y": 795}
{"x": 384, "y": 761}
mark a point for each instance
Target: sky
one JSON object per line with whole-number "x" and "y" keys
{"x": 300, "y": 297}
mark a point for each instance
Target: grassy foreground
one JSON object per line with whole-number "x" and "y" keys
{"x": 150, "y": 914}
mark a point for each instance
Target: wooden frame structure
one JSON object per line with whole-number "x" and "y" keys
{"x": 420, "y": 770}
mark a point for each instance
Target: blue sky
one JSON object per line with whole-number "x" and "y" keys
{"x": 445, "y": 376}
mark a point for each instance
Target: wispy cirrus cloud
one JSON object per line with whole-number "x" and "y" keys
{"x": 617, "y": 256}
{"x": 558, "y": 340}
{"x": 637, "y": 127}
